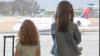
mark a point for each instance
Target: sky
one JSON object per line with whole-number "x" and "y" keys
{"x": 52, "y": 4}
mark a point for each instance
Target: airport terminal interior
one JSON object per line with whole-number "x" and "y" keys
{"x": 41, "y": 12}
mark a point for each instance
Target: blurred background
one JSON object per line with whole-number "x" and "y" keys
{"x": 41, "y": 12}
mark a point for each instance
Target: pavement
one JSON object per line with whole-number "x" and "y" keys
{"x": 7, "y": 23}
{"x": 90, "y": 39}
{"x": 90, "y": 43}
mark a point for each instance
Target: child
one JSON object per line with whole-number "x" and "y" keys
{"x": 28, "y": 44}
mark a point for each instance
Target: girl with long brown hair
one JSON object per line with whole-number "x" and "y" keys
{"x": 65, "y": 33}
{"x": 28, "y": 44}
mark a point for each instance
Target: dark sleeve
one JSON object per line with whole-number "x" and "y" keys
{"x": 53, "y": 31}
{"x": 77, "y": 34}
{"x": 53, "y": 28}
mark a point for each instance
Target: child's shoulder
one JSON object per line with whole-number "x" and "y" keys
{"x": 18, "y": 46}
{"x": 37, "y": 46}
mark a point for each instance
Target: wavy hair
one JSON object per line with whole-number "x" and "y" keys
{"x": 28, "y": 34}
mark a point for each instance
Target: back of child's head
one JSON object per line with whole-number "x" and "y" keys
{"x": 28, "y": 34}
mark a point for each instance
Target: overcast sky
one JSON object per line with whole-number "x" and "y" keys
{"x": 52, "y": 4}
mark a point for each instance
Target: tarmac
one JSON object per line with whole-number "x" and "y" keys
{"x": 90, "y": 39}
{"x": 7, "y": 23}
{"x": 90, "y": 43}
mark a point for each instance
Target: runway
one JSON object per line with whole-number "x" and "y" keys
{"x": 90, "y": 43}
{"x": 90, "y": 39}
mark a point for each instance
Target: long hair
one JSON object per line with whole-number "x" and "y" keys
{"x": 28, "y": 34}
{"x": 64, "y": 14}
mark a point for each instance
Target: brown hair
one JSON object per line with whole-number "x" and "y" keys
{"x": 64, "y": 14}
{"x": 28, "y": 34}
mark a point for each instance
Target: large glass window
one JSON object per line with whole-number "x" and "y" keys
{"x": 42, "y": 12}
